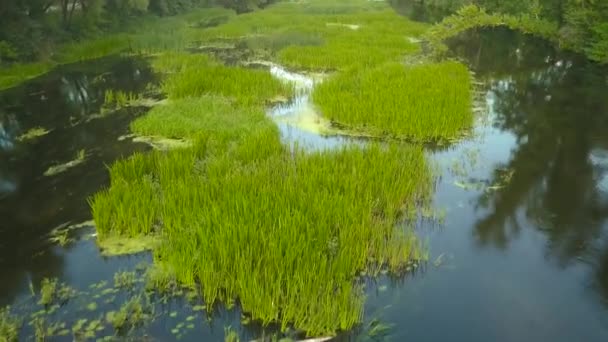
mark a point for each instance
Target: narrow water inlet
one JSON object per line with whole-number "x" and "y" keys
{"x": 298, "y": 120}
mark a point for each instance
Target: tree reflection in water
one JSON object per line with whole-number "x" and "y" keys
{"x": 556, "y": 106}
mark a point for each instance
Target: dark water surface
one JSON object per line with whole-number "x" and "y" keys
{"x": 522, "y": 256}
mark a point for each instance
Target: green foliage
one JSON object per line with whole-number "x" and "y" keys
{"x": 198, "y": 76}
{"x": 125, "y": 280}
{"x": 268, "y": 233}
{"x": 161, "y": 279}
{"x": 598, "y": 50}
{"x": 9, "y": 325}
{"x": 7, "y": 51}
{"x": 324, "y": 36}
{"x": 17, "y": 73}
{"x": 472, "y": 16}
{"x": 231, "y": 335}
{"x": 132, "y": 313}
{"x": 114, "y": 99}
{"x": 53, "y": 292}
{"x": 422, "y": 103}
{"x": 93, "y": 48}
{"x": 202, "y": 116}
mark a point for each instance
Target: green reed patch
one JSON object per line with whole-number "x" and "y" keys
{"x": 200, "y": 76}
{"x": 422, "y": 103}
{"x": 192, "y": 117}
{"x": 320, "y": 35}
{"x": 285, "y": 231}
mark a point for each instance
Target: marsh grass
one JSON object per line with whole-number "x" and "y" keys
{"x": 422, "y": 103}
{"x": 197, "y": 75}
{"x": 175, "y": 33}
{"x": 194, "y": 117}
{"x": 53, "y": 292}
{"x": 93, "y": 48}
{"x": 115, "y": 99}
{"x": 284, "y": 231}
{"x": 133, "y": 313}
{"x": 125, "y": 280}
{"x": 17, "y": 73}
{"x": 319, "y": 35}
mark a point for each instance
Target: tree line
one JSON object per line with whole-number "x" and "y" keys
{"x": 582, "y": 25}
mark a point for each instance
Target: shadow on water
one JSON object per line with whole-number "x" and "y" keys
{"x": 556, "y": 107}
{"x": 65, "y": 103}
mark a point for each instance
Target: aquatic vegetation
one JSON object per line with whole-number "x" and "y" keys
{"x": 175, "y": 33}
{"x": 161, "y": 279}
{"x": 93, "y": 48}
{"x": 194, "y": 117}
{"x": 80, "y": 158}
{"x": 53, "y": 292}
{"x": 199, "y": 77}
{"x": 135, "y": 312}
{"x": 240, "y": 218}
{"x": 17, "y": 73}
{"x": 421, "y": 103}
{"x": 230, "y": 335}
{"x": 84, "y": 329}
{"x": 9, "y": 325}
{"x": 33, "y": 133}
{"x": 125, "y": 280}
{"x": 114, "y": 99}
{"x": 320, "y": 35}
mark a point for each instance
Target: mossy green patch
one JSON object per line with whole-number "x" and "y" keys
{"x": 421, "y": 103}
{"x": 120, "y": 245}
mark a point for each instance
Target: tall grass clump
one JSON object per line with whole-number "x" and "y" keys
{"x": 421, "y": 103}
{"x": 198, "y": 116}
{"x": 200, "y": 77}
{"x": 285, "y": 231}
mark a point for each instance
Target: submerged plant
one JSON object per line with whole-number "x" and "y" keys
{"x": 230, "y": 335}
{"x": 131, "y": 314}
{"x": 9, "y": 325}
{"x": 53, "y": 292}
{"x": 125, "y": 280}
